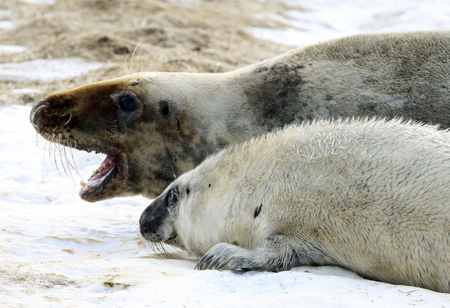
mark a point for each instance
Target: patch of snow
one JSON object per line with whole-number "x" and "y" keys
{"x": 12, "y": 49}
{"x": 25, "y": 91}
{"x": 47, "y": 70}
{"x": 327, "y": 19}
{"x": 6, "y": 25}
{"x": 4, "y": 13}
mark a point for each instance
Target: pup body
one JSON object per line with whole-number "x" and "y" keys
{"x": 370, "y": 196}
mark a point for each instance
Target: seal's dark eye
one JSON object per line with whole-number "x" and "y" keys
{"x": 173, "y": 198}
{"x": 127, "y": 102}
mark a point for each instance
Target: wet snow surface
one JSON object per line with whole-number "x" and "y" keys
{"x": 59, "y": 251}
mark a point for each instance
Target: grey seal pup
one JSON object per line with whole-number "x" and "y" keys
{"x": 371, "y": 196}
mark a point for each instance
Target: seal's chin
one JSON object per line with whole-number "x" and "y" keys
{"x": 103, "y": 181}
{"x": 174, "y": 241}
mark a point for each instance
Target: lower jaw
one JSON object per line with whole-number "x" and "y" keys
{"x": 102, "y": 190}
{"x": 103, "y": 182}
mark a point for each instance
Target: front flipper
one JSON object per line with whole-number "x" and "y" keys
{"x": 227, "y": 256}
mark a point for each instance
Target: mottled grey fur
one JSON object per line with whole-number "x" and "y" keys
{"x": 390, "y": 75}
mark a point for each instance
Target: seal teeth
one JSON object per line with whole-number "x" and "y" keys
{"x": 94, "y": 183}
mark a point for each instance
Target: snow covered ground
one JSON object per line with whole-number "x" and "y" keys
{"x": 59, "y": 251}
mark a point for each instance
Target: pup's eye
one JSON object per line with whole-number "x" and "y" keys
{"x": 127, "y": 102}
{"x": 173, "y": 198}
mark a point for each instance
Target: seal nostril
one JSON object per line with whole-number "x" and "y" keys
{"x": 35, "y": 110}
{"x": 38, "y": 105}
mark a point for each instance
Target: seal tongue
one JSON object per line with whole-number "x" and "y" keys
{"x": 100, "y": 174}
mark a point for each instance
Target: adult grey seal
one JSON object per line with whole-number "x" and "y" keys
{"x": 156, "y": 126}
{"x": 370, "y": 196}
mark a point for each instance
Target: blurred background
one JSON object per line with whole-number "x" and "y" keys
{"x": 189, "y": 36}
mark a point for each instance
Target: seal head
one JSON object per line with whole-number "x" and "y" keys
{"x": 109, "y": 118}
{"x": 155, "y": 126}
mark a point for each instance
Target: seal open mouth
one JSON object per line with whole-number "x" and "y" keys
{"x": 107, "y": 180}
{"x": 100, "y": 178}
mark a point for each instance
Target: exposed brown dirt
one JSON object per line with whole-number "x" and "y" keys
{"x": 188, "y": 36}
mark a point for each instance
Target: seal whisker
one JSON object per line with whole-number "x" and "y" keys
{"x": 126, "y": 64}
{"x": 133, "y": 54}
{"x": 56, "y": 145}
{"x": 159, "y": 249}
{"x": 149, "y": 246}
{"x": 61, "y": 156}
{"x": 142, "y": 61}
{"x": 45, "y": 147}
{"x": 75, "y": 166}
{"x": 70, "y": 160}
{"x": 70, "y": 118}
{"x": 68, "y": 164}
{"x": 163, "y": 251}
{"x": 53, "y": 145}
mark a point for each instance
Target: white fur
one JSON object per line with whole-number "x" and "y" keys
{"x": 372, "y": 196}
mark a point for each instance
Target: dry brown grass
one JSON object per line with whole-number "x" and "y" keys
{"x": 188, "y": 36}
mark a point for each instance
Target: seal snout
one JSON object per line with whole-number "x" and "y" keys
{"x": 48, "y": 116}
{"x": 148, "y": 230}
{"x": 154, "y": 223}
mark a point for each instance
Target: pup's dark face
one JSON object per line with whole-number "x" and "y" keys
{"x": 157, "y": 220}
